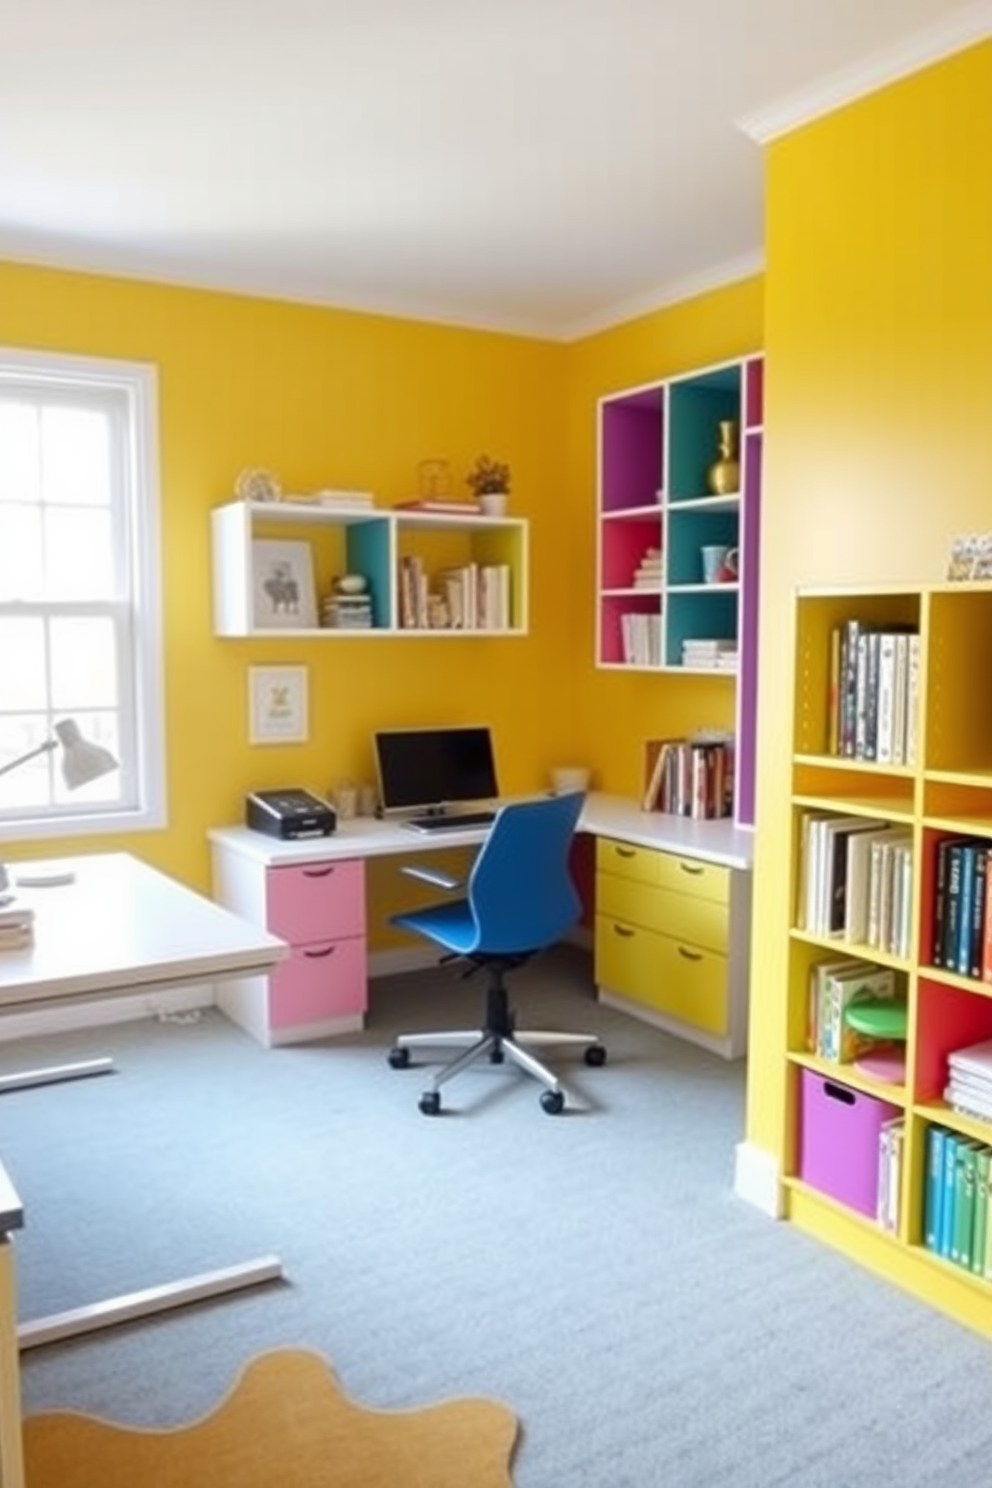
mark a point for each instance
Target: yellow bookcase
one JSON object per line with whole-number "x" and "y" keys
{"x": 834, "y": 1112}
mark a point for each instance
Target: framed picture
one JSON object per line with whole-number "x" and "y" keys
{"x": 283, "y": 588}
{"x": 277, "y": 705}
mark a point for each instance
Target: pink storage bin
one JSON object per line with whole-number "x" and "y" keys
{"x": 838, "y": 1140}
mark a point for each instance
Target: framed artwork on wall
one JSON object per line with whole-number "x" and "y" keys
{"x": 277, "y": 705}
{"x": 283, "y": 587}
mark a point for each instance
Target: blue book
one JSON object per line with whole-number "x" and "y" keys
{"x": 965, "y": 912}
{"x": 934, "y": 1191}
{"x": 945, "y": 1235}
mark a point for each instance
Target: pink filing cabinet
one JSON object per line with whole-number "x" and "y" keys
{"x": 318, "y": 907}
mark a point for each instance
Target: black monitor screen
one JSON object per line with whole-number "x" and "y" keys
{"x": 430, "y": 767}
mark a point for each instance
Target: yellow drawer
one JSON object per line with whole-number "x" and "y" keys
{"x": 665, "y": 870}
{"x": 682, "y": 981}
{"x": 702, "y": 922}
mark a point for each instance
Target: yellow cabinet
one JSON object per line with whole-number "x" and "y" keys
{"x": 672, "y": 941}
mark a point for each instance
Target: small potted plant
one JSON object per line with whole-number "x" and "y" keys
{"x": 489, "y": 481}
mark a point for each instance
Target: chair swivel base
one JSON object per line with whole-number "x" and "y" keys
{"x": 496, "y": 1045}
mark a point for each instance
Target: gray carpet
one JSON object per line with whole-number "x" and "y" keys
{"x": 593, "y": 1270}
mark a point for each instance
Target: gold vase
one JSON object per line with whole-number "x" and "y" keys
{"x": 723, "y": 477}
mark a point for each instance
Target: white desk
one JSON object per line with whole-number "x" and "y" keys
{"x": 119, "y": 926}
{"x": 247, "y": 863}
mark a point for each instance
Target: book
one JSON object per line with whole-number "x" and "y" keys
{"x": 655, "y": 755}
{"x": 819, "y": 972}
{"x": 946, "y": 1231}
{"x": 933, "y": 1192}
{"x": 964, "y": 1201}
{"x": 980, "y": 1224}
{"x": 842, "y": 990}
{"x": 857, "y": 897}
{"x": 450, "y": 508}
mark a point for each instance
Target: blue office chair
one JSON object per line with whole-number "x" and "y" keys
{"x": 519, "y": 900}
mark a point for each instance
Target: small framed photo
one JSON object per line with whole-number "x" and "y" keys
{"x": 277, "y": 705}
{"x": 282, "y": 585}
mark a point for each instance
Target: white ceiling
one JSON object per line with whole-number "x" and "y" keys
{"x": 546, "y": 166}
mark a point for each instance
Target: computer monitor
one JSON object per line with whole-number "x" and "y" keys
{"x": 427, "y": 769}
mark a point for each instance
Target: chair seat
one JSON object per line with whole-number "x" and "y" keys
{"x": 450, "y": 925}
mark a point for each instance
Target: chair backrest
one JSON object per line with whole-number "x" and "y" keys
{"x": 520, "y": 890}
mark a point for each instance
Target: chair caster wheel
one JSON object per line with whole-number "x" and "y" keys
{"x": 399, "y": 1058}
{"x": 595, "y": 1055}
{"x": 553, "y": 1102}
{"x": 430, "y": 1103}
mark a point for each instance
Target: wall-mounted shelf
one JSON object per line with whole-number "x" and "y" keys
{"x": 428, "y": 573}
{"x": 654, "y": 612}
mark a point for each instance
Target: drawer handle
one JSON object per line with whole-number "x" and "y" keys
{"x": 694, "y": 868}
{"x": 319, "y": 955}
{"x": 623, "y": 932}
{"x": 625, "y": 852}
{"x": 688, "y": 955}
{"x": 323, "y": 872}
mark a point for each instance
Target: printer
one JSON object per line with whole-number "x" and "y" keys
{"x": 290, "y": 814}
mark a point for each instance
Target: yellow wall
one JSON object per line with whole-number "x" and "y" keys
{"x": 322, "y": 397}
{"x": 328, "y": 397}
{"x": 878, "y": 410}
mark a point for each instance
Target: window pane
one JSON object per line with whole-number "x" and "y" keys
{"x": 75, "y": 456}
{"x": 23, "y": 679}
{"x": 20, "y": 552}
{"x": 20, "y": 454}
{"x": 79, "y": 553}
{"x": 84, "y": 664}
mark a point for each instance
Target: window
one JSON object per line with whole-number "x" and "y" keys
{"x": 80, "y": 627}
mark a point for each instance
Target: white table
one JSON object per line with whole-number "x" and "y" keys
{"x": 119, "y": 926}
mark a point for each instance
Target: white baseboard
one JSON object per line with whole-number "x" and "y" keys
{"x": 152, "y": 1003}
{"x": 757, "y": 1179}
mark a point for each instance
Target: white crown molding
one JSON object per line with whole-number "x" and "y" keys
{"x": 969, "y": 25}
{"x": 743, "y": 267}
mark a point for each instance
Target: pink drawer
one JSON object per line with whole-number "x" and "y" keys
{"x": 326, "y": 979}
{"x": 315, "y": 901}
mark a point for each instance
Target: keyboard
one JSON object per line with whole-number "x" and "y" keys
{"x": 458, "y": 821}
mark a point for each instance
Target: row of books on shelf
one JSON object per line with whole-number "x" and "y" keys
{"x": 691, "y": 777}
{"x": 834, "y": 986}
{"x": 891, "y": 1143}
{"x": 956, "y": 1200}
{"x": 640, "y": 636}
{"x": 962, "y": 908}
{"x": 470, "y": 597}
{"x": 873, "y": 700}
{"x": 856, "y": 881}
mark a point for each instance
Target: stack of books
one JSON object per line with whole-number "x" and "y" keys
{"x": 969, "y": 1085}
{"x": 647, "y": 574}
{"x": 345, "y": 501}
{"x": 346, "y": 612}
{"x": 710, "y": 655}
{"x": 16, "y": 923}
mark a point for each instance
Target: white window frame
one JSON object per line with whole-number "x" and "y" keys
{"x": 142, "y": 801}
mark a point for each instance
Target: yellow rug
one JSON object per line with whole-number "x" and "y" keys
{"x": 285, "y": 1424}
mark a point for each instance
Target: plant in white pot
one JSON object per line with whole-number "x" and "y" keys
{"x": 489, "y": 481}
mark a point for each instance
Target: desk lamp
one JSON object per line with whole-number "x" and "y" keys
{"x": 82, "y": 761}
